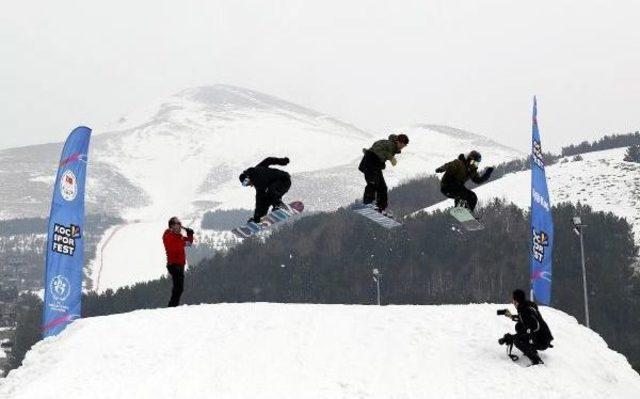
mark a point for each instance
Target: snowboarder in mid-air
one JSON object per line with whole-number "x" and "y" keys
{"x": 372, "y": 164}
{"x": 456, "y": 174}
{"x": 270, "y": 184}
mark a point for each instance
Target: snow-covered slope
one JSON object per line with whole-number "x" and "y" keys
{"x": 601, "y": 180}
{"x": 315, "y": 351}
{"x": 182, "y": 155}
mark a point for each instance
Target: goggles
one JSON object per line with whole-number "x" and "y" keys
{"x": 246, "y": 181}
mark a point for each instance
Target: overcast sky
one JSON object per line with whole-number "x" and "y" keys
{"x": 379, "y": 65}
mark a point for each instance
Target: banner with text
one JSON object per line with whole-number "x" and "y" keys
{"x": 541, "y": 221}
{"x": 65, "y": 243}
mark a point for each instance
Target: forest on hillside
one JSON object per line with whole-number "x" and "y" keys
{"x": 605, "y": 143}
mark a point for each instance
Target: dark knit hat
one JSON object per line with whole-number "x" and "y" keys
{"x": 519, "y": 296}
{"x": 475, "y": 155}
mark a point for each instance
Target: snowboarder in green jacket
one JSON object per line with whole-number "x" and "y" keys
{"x": 456, "y": 174}
{"x": 372, "y": 164}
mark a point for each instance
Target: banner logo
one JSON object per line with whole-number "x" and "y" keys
{"x": 538, "y": 198}
{"x": 536, "y": 153}
{"x": 540, "y": 242}
{"x": 68, "y": 185}
{"x": 540, "y": 275}
{"x": 60, "y": 288}
{"x": 77, "y": 156}
{"x": 64, "y": 239}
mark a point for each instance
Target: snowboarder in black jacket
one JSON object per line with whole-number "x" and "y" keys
{"x": 532, "y": 332}
{"x": 270, "y": 184}
{"x": 456, "y": 174}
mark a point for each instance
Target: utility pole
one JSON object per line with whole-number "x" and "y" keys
{"x": 578, "y": 229}
{"x": 376, "y": 277}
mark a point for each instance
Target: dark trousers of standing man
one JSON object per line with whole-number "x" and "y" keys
{"x": 177, "y": 275}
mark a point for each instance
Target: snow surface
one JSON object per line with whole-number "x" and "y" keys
{"x": 601, "y": 180}
{"x": 118, "y": 268}
{"x": 126, "y": 255}
{"x": 315, "y": 351}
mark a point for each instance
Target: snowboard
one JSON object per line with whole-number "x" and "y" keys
{"x": 464, "y": 216}
{"x": 369, "y": 211}
{"x": 271, "y": 219}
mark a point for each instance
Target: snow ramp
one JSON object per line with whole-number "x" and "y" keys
{"x": 315, "y": 351}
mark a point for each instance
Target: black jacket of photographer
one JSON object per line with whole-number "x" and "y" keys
{"x": 531, "y": 327}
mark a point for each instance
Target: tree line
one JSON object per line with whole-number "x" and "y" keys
{"x": 605, "y": 143}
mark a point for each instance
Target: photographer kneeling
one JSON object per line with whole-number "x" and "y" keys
{"x": 532, "y": 333}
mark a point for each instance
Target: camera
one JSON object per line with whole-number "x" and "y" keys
{"x": 502, "y": 312}
{"x": 506, "y": 339}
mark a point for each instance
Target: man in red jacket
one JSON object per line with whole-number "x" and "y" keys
{"x": 174, "y": 243}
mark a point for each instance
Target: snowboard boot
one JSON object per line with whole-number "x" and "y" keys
{"x": 280, "y": 206}
{"x": 535, "y": 360}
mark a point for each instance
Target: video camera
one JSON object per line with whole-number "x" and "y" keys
{"x": 502, "y": 312}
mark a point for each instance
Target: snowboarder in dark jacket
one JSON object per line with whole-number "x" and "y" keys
{"x": 532, "y": 332}
{"x": 372, "y": 164}
{"x": 270, "y": 184}
{"x": 456, "y": 174}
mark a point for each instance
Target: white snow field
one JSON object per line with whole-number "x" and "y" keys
{"x": 601, "y": 180}
{"x": 315, "y": 351}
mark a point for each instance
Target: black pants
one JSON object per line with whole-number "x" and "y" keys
{"x": 177, "y": 275}
{"x": 460, "y": 193}
{"x": 272, "y": 196}
{"x": 376, "y": 188}
{"x": 521, "y": 341}
{"x": 526, "y": 347}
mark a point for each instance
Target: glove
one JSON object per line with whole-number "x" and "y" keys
{"x": 507, "y": 313}
{"x": 440, "y": 170}
{"x": 394, "y": 161}
{"x": 488, "y": 171}
{"x": 189, "y": 231}
{"x": 286, "y": 160}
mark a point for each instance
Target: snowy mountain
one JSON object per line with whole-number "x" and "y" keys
{"x": 181, "y": 156}
{"x": 316, "y": 351}
{"x": 601, "y": 180}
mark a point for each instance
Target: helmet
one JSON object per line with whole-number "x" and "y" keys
{"x": 474, "y": 155}
{"x": 403, "y": 139}
{"x": 244, "y": 179}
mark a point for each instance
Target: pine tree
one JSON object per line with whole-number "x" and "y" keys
{"x": 633, "y": 154}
